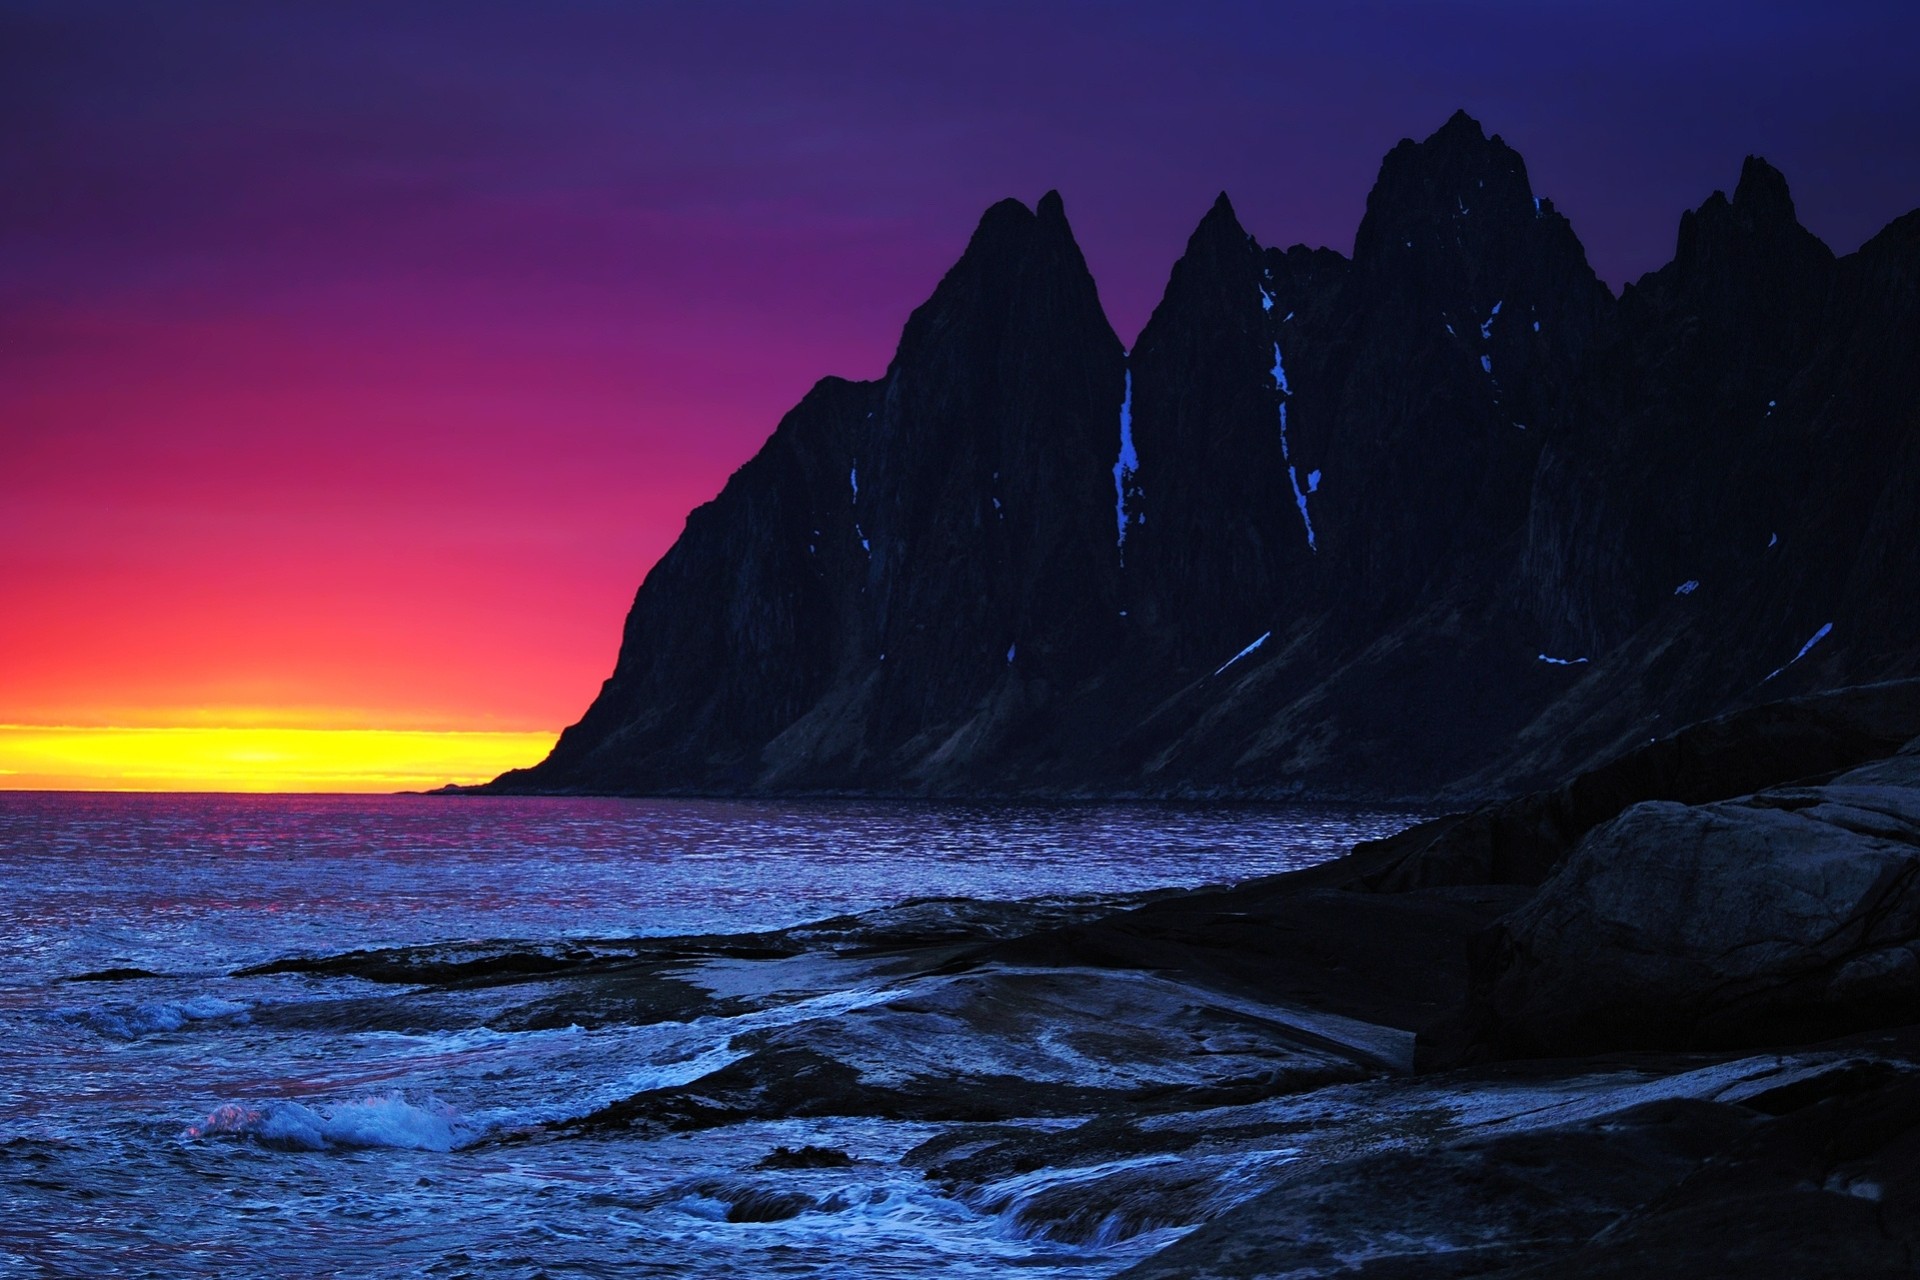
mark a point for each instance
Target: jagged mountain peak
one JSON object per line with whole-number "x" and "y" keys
{"x": 1219, "y": 227}
{"x": 1004, "y": 222}
{"x": 1756, "y": 231}
{"x": 1460, "y": 127}
{"x": 1762, "y": 205}
{"x": 1009, "y": 226}
{"x": 1221, "y": 261}
{"x": 1457, "y": 191}
{"x": 1332, "y": 524}
{"x": 1011, "y": 221}
{"x": 1014, "y": 253}
{"x": 1762, "y": 192}
{"x": 1461, "y": 137}
{"x": 1052, "y": 229}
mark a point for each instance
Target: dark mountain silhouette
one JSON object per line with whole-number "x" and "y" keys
{"x": 1444, "y": 516}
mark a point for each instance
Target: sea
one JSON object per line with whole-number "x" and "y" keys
{"x": 164, "y": 1115}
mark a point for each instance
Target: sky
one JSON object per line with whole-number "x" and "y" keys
{"x": 358, "y": 359}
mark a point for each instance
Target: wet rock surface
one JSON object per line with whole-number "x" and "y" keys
{"x": 1674, "y": 1187}
{"x": 1395, "y": 960}
{"x": 1223, "y": 1083}
{"x": 1684, "y": 1046}
{"x": 1124, "y": 1110}
{"x": 998, "y": 1044}
{"x": 1452, "y": 1207}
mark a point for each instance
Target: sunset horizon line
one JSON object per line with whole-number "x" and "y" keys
{"x": 258, "y": 759}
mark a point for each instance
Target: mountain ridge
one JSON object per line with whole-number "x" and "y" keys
{"x": 1444, "y": 517}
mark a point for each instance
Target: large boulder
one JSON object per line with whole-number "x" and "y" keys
{"x": 1788, "y": 915}
{"x": 1522, "y": 840}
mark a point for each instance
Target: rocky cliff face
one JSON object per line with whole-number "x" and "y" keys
{"x": 1442, "y": 516}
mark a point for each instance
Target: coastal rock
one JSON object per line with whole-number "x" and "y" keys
{"x": 1789, "y": 915}
{"x": 1463, "y": 1208}
{"x": 1104, "y": 1075}
{"x": 1391, "y": 960}
{"x": 1829, "y": 1190}
{"x": 1521, "y": 841}
{"x": 996, "y": 1044}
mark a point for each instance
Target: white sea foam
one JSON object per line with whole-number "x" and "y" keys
{"x": 150, "y": 1017}
{"x": 1037, "y": 1205}
{"x": 671, "y": 1074}
{"x": 707, "y": 1045}
{"x": 378, "y": 1120}
{"x": 869, "y": 1217}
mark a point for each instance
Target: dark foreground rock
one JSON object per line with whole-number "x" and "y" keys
{"x": 996, "y": 1043}
{"x": 1789, "y": 915}
{"x": 1522, "y": 840}
{"x": 1673, "y": 1188}
{"x": 1833, "y": 1191}
{"x": 1396, "y": 960}
{"x": 1162, "y": 1119}
{"x": 1456, "y": 1208}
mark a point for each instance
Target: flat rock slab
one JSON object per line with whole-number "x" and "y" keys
{"x": 999, "y": 1043}
{"x": 1395, "y": 960}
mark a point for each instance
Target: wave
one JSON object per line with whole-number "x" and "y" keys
{"x": 378, "y": 1120}
{"x": 150, "y": 1017}
{"x": 1113, "y": 1202}
{"x": 872, "y": 1215}
{"x": 680, "y": 1054}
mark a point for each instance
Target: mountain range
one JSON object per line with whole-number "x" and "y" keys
{"x": 1442, "y": 518}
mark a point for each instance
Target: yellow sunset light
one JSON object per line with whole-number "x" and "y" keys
{"x": 252, "y": 758}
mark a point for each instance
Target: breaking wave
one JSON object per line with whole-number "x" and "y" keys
{"x": 379, "y": 1120}
{"x": 149, "y": 1017}
{"x": 1106, "y": 1204}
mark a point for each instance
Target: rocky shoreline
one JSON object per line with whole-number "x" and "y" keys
{"x": 1658, "y": 1021}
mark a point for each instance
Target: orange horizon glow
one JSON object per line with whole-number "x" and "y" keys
{"x": 256, "y": 758}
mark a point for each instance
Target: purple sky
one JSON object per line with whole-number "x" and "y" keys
{"x": 370, "y": 352}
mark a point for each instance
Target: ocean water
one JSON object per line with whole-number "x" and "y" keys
{"x": 199, "y": 1122}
